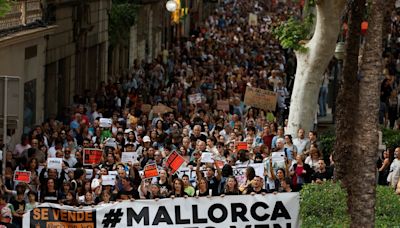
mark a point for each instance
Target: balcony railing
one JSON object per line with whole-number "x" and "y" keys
{"x": 22, "y": 12}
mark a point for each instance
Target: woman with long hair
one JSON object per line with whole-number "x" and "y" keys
{"x": 202, "y": 188}
{"x": 178, "y": 189}
{"x": 231, "y": 186}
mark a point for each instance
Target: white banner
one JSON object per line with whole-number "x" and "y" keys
{"x": 271, "y": 210}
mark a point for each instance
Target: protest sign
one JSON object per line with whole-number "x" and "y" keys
{"x": 239, "y": 171}
{"x": 92, "y": 156}
{"x": 195, "y": 98}
{"x": 223, "y": 105}
{"x": 89, "y": 174}
{"x": 270, "y": 210}
{"x": 207, "y": 157}
{"x": 150, "y": 171}
{"x": 146, "y": 108}
{"x": 105, "y": 122}
{"x": 129, "y": 157}
{"x": 260, "y": 98}
{"x": 253, "y": 19}
{"x": 114, "y": 173}
{"x": 174, "y": 161}
{"x": 22, "y": 176}
{"x": 278, "y": 156}
{"x": 108, "y": 180}
{"x": 54, "y": 163}
{"x": 161, "y": 109}
{"x": 241, "y": 146}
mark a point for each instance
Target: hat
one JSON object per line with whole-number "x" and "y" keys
{"x": 127, "y": 131}
{"x": 146, "y": 139}
{"x": 6, "y": 212}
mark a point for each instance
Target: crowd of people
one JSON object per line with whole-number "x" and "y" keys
{"x": 224, "y": 56}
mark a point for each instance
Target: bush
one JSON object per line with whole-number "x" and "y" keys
{"x": 324, "y": 205}
{"x": 391, "y": 138}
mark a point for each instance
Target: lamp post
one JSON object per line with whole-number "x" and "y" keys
{"x": 171, "y": 6}
{"x": 339, "y": 55}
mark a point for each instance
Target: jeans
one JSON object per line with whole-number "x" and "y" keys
{"x": 323, "y": 95}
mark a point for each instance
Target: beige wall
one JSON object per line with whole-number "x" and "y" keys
{"x": 14, "y": 63}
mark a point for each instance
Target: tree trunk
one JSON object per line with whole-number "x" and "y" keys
{"x": 356, "y": 144}
{"x": 312, "y": 64}
{"x": 362, "y": 179}
{"x": 347, "y": 99}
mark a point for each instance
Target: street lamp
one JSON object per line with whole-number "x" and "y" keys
{"x": 339, "y": 55}
{"x": 171, "y": 6}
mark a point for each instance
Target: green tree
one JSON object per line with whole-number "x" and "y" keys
{"x": 4, "y": 7}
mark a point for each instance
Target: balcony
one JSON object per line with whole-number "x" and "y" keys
{"x": 22, "y": 13}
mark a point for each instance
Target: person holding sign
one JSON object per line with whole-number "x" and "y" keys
{"x": 212, "y": 180}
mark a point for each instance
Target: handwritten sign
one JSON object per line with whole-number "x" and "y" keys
{"x": 105, "y": 122}
{"x": 195, "y": 98}
{"x": 174, "y": 161}
{"x": 223, "y": 105}
{"x": 150, "y": 171}
{"x": 108, "y": 180}
{"x": 54, "y": 163}
{"x": 129, "y": 157}
{"x": 22, "y": 176}
{"x": 207, "y": 157}
{"x": 92, "y": 156}
{"x": 260, "y": 98}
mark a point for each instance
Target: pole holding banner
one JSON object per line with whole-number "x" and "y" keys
{"x": 5, "y": 129}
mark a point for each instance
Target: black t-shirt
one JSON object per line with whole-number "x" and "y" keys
{"x": 18, "y": 206}
{"x": 213, "y": 184}
{"x": 50, "y": 197}
{"x": 250, "y": 190}
{"x": 132, "y": 194}
{"x": 8, "y": 225}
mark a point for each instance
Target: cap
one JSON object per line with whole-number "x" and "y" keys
{"x": 146, "y": 139}
{"x": 127, "y": 131}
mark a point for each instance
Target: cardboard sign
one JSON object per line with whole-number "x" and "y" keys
{"x": 150, "y": 171}
{"x": 207, "y": 157}
{"x": 161, "y": 109}
{"x": 260, "y": 98}
{"x": 174, "y": 161}
{"x": 252, "y": 19}
{"x": 146, "y": 108}
{"x": 105, "y": 122}
{"x": 195, "y": 98}
{"x": 223, "y": 105}
{"x": 54, "y": 163}
{"x": 92, "y": 156}
{"x": 108, "y": 180}
{"x": 241, "y": 146}
{"x": 22, "y": 176}
{"x": 129, "y": 157}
